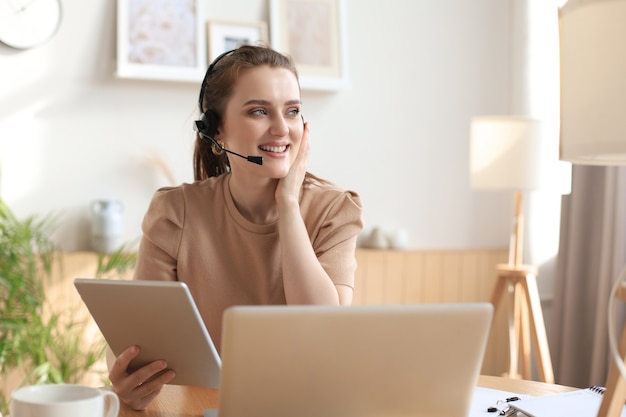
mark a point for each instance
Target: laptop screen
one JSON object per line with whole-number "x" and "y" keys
{"x": 393, "y": 360}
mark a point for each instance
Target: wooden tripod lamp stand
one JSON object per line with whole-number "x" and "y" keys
{"x": 509, "y": 153}
{"x": 518, "y": 283}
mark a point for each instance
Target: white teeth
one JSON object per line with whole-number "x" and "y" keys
{"x": 273, "y": 148}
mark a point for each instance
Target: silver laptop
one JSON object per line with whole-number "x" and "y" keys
{"x": 161, "y": 318}
{"x": 359, "y": 361}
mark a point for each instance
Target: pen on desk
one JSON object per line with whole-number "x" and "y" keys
{"x": 505, "y": 411}
{"x": 510, "y": 399}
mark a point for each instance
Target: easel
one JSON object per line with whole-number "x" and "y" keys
{"x": 518, "y": 283}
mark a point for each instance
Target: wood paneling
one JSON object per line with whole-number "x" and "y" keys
{"x": 430, "y": 276}
{"x": 382, "y": 277}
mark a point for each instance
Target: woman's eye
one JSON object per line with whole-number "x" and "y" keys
{"x": 258, "y": 112}
{"x": 293, "y": 112}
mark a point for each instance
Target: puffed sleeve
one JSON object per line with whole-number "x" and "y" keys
{"x": 162, "y": 232}
{"x": 334, "y": 233}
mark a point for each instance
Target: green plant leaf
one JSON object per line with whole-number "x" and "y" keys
{"x": 47, "y": 345}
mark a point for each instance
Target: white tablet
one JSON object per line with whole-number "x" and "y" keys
{"x": 161, "y": 318}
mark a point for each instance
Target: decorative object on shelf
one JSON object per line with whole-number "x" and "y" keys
{"x": 107, "y": 225}
{"x": 225, "y": 35}
{"x": 380, "y": 238}
{"x": 377, "y": 239}
{"x": 398, "y": 238}
{"x": 160, "y": 40}
{"x": 25, "y": 24}
{"x": 313, "y": 32}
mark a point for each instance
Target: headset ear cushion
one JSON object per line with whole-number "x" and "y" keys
{"x": 211, "y": 121}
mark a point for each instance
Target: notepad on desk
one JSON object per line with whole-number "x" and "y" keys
{"x": 579, "y": 403}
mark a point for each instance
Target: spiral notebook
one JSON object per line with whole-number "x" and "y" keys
{"x": 580, "y": 403}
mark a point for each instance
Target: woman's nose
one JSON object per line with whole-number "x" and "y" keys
{"x": 279, "y": 126}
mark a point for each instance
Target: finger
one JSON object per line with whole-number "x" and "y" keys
{"x": 145, "y": 393}
{"x": 306, "y": 135}
{"x": 120, "y": 366}
{"x": 303, "y": 151}
{"x": 140, "y": 387}
{"x": 140, "y": 404}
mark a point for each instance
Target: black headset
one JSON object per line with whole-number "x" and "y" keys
{"x": 209, "y": 120}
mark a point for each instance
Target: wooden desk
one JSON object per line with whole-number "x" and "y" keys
{"x": 176, "y": 401}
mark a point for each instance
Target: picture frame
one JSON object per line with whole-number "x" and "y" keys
{"x": 225, "y": 35}
{"x": 313, "y": 33}
{"x": 161, "y": 40}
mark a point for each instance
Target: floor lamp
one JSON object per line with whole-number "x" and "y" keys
{"x": 593, "y": 126}
{"x": 514, "y": 153}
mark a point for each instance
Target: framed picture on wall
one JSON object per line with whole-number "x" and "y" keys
{"x": 160, "y": 40}
{"x": 225, "y": 35}
{"x": 313, "y": 33}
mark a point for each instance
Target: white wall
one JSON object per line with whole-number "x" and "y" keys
{"x": 71, "y": 132}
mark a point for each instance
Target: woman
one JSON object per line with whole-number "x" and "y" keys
{"x": 245, "y": 233}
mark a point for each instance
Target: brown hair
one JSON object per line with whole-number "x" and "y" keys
{"x": 217, "y": 88}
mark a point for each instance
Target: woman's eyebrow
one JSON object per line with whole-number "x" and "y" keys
{"x": 258, "y": 102}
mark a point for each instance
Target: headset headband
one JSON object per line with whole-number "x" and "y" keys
{"x": 208, "y": 73}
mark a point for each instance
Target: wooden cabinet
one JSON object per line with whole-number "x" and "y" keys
{"x": 382, "y": 277}
{"x": 435, "y": 276}
{"x": 424, "y": 276}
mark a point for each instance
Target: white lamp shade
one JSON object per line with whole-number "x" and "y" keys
{"x": 593, "y": 82}
{"x": 515, "y": 153}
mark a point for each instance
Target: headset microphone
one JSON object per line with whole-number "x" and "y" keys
{"x": 201, "y": 128}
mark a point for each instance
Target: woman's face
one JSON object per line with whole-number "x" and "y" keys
{"x": 262, "y": 118}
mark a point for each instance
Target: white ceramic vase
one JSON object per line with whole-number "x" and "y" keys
{"x": 107, "y": 225}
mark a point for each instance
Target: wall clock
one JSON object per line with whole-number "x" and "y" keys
{"x": 28, "y": 23}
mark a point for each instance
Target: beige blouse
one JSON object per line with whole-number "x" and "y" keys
{"x": 193, "y": 233}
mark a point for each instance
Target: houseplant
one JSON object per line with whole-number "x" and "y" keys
{"x": 118, "y": 263}
{"x": 39, "y": 343}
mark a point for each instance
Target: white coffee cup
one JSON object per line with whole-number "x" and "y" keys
{"x": 63, "y": 400}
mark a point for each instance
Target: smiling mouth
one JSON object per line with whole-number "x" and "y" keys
{"x": 275, "y": 149}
